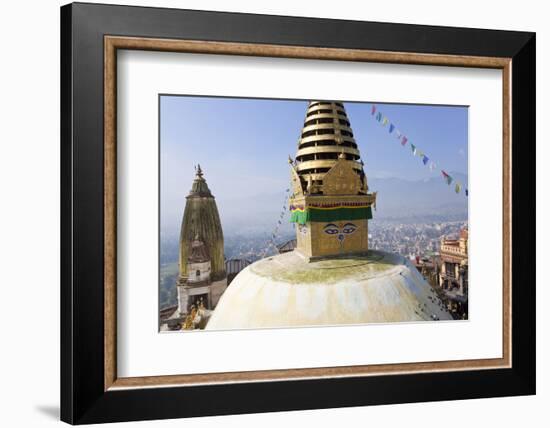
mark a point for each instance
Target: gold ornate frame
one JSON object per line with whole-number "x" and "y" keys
{"x": 113, "y": 43}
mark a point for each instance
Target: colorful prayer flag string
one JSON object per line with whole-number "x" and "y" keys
{"x": 275, "y": 232}
{"x": 415, "y": 150}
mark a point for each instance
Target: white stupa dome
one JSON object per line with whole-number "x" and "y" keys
{"x": 288, "y": 291}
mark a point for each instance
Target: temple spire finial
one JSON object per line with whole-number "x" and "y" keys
{"x": 198, "y": 171}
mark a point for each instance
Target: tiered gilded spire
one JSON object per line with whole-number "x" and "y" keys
{"x": 326, "y": 137}
{"x": 330, "y": 195}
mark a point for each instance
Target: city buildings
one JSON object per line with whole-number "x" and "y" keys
{"x": 453, "y": 272}
{"x": 447, "y": 271}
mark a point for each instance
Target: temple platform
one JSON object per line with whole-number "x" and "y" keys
{"x": 288, "y": 290}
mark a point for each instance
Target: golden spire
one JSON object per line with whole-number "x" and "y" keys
{"x": 326, "y": 138}
{"x": 329, "y": 186}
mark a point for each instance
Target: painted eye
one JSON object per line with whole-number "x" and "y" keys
{"x": 349, "y": 228}
{"x": 331, "y": 229}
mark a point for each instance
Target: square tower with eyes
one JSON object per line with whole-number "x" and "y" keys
{"x": 332, "y": 226}
{"x": 330, "y": 203}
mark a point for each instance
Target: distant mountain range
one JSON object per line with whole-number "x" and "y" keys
{"x": 431, "y": 198}
{"x": 398, "y": 199}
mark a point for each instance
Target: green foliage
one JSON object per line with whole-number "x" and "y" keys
{"x": 167, "y": 291}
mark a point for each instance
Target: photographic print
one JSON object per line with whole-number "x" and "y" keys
{"x": 308, "y": 203}
{"x": 293, "y": 213}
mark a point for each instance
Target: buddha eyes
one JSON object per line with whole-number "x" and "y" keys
{"x": 349, "y": 228}
{"x": 332, "y": 229}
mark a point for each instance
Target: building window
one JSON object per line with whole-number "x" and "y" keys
{"x": 450, "y": 269}
{"x": 198, "y": 273}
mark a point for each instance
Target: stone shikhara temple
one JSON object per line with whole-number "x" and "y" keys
{"x": 202, "y": 278}
{"x": 331, "y": 277}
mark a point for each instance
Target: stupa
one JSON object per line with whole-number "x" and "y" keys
{"x": 332, "y": 277}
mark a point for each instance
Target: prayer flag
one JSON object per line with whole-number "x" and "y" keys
{"x": 385, "y": 121}
{"x": 425, "y": 160}
{"x": 379, "y": 116}
{"x": 404, "y": 141}
{"x": 392, "y": 127}
{"x": 466, "y": 191}
{"x": 447, "y": 177}
{"x": 420, "y": 153}
{"x": 398, "y": 132}
{"x": 457, "y": 187}
{"x": 373, "y": 109}
{"x": 413, "y": 148}
{"x": 432, "y": 166}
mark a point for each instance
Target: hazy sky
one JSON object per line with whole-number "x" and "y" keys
{"x": 243, "y": 146}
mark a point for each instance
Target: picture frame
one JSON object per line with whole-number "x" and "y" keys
{"x": 91, "y": 391}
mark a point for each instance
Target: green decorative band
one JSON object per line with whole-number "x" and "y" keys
{"x": 299, "y": 216}
{"x": 325, "y": 216}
